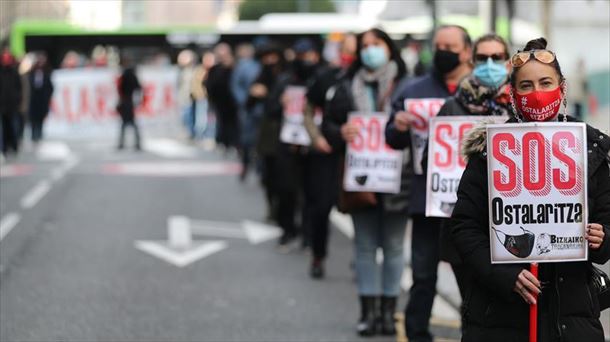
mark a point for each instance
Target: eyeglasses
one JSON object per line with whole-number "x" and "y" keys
{"x": 543, "y": 56}
{"x": 496, "y": 57}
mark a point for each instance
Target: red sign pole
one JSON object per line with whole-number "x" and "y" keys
{"x": 534, "y": 309}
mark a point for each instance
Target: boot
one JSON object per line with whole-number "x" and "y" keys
{"x": 386, "y": 317}
{"x": 366, "y": 325}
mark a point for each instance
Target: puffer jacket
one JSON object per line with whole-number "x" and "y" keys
{"x": 568, "y": 308}
{"x": 339, "y": 103}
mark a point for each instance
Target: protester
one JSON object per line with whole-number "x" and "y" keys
{"x": 291, "y": 158}
{"x": 321, "y": 169}
{"x": 10, "y": 100}
{"x": 245, "y": 73}
{"x": 263, "y": 103}
{"x": 41, "y": 90}
{"x": 380, "y": 221}
{"x": 498, "y": 303}
{"x": 451, "y": 64}
{"x": 186, "y": 62}
{"x": 484, "y": 93}
{"x": 128, "y": 85}
{"x": 218, "y": 87}
{"x": 205, "y": 124}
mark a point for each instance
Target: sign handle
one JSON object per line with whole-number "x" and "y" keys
{"x": 534, "y": 309}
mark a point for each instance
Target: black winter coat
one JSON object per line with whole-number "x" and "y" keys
{"x": 10, "y": 91}
{"x": 568, "y": 307}
{"x": 452, "y": 107}
{"x": 339, "y": 103}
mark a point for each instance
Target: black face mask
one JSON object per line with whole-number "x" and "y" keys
{"x": 518, "y": 245}
{"x": 446, "y": 61}
{"x": 304, "y": 70}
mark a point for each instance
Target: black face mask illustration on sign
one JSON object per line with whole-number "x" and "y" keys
{"x": 520, "y": 246}
{"x": 361, "y": 179}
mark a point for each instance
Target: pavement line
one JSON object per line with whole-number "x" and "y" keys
{"x": 60, "y": 171}
{"x": 342, "y": 222}
{"x": 36, "y": 194}
{"x": 7, "y": 223}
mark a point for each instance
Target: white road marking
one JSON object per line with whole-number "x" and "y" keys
{"x": 170, "y": 148}
{"x": 60, "y": 171}
{"x": 36, "y": 194}
{"x": 53, "y": 150}
{"x": 7, "y": 224}
{"x": 343, "y": 222}
{"x": 257, "y": 232}
{"x": 180, "y": 258}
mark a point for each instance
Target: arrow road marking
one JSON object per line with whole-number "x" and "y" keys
{"x": 254, "y": 232}
{"x": 168, "y": 253}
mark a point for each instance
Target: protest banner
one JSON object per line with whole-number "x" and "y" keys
{"x": 537, "y": 192}
{"x": 445, "y": 162}
{"x": 293, "y": 131}
{"x": 419, "y": 113}
{"x": 84, "y": 100}
{"x": 370, "y": 164}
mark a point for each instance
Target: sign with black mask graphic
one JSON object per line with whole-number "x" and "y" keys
{"x": 371, "y": 165}
{"x": 537, "y": 192}
{"x": 445, "y": 162}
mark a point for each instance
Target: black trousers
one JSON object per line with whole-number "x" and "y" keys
{"x": 288, "y": 181}
{"x": 9, "y": 133}
{"x": 425, "y": 245}
{"x": 320, "y": 188}
{"x": 124, "y": 124}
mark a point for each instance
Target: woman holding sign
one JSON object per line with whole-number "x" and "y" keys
{"x": 497, "y": 305}
{"x": 379, "y": 219}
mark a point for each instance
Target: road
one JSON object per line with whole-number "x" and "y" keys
{"x": 165, "y": 245}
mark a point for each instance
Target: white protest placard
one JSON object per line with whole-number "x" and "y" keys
{"x": 419, "y": 112}
{"x": 84, "y": 100}
{"x": 370, "y": 164}
{"x": 445, "y": 162}
{"x": 537, "y": 192}
{"x": 293, "y": 131}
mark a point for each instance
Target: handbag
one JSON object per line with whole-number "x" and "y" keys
{"x": 601, "y": 284}
{"x": 349, "y": 201}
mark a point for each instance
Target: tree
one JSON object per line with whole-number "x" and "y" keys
{"x": 254, "y": 9}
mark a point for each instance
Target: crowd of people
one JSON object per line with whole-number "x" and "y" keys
{"x": 251, "y": 95}
{"x": 303, "y": 182}
{"x": 25, "y": 96}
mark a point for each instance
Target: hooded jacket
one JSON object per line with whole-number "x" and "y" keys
{"x": 568, "y": 307}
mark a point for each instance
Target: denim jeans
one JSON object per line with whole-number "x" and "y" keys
{"x": 374, "y": 229}
{"x": 425, "y": 245}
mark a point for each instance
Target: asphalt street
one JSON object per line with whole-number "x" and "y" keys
{"x": 165, "y": 245}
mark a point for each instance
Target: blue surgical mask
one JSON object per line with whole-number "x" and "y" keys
{"x": 490, "y": 73}
{"x": 374, "y": 57}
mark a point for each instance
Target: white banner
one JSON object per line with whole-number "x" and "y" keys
{"x": 293, "y": 131}
{"x": 537, "y": 192}
{"x": 419, "y": 112}
{"x": 370, "y": 164}
{"x": 445, "y": 162}
{"x": 84, "y": 100}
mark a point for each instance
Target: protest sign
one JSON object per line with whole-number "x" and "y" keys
{"x": 370, "y": 164}
{"x": 293, "y": 131}
{"x": 445, "y": 162}
{"x": 537, "y": 192}
{"x": 419, "y": 112}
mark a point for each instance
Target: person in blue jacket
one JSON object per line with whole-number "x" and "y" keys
{"x": 451, "y": 64}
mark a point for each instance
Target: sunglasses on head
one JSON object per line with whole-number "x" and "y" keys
{"x": 543, "y": 56}
{"x": 496, "y": 57}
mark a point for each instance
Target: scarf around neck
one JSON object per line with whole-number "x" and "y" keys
{"x": 481, "y": 100}
{"x": 362, "y": 89}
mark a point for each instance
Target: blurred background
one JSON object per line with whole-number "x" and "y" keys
{"x": 77, "y": 210}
